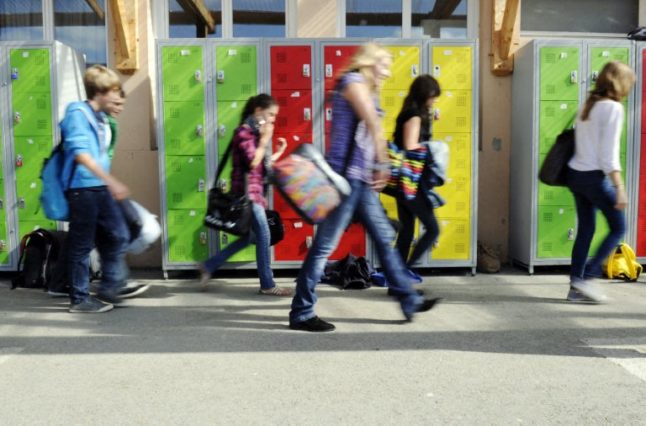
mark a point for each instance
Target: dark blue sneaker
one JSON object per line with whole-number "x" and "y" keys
{"x": 379, "y": 279}
{"x": 91, "y": 305}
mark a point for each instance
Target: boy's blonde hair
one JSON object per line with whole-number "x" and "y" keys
{"x": 99, "y": 79}
{"x": 614, "y": 82}
{"x": 364, "y": 60}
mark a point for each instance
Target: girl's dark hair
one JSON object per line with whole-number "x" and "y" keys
{"x": 422, "y": 88}
{"x": 262, "y": 101}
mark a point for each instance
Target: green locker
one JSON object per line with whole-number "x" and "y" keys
{"x": 4, "y": 242}
{"x": 559, "y": 78}
{"x": 185, "y": 182}
{"x": 236, "y": 72}
{"x": 184, "y": 128}
{"x": 556, "y": 229}
{"x": 30, "y": 71}
{"x": 28, "y": 199}
{"x": 599, "y": 56}
{"x": 182, "y": 73}
{"x": 187, "y": 236}
{"x": 554, "y": 195}
{"x": 32, "y": 114}
{"x": 555, "y": 116}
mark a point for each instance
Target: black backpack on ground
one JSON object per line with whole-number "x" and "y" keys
{"x": 351, "y": 272}
{"x": 39, "y": 254}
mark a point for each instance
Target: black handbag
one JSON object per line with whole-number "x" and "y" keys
{"x": 276, "y": 228}
{"x": 226, "y": 211}
{"x": 553, "y": 171}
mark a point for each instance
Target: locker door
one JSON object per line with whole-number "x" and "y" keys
{"x": 32, "y": 114}
{"x": 4, "y": 242}
{"x": 184, "y": 128}
{"x": 236, "y": 74}
{"x": 456, "y": 191}
{"x": 599, "y": 56}
{"x": 641, "y": 196}
{"x": 553, "y": 195}
{"x": 454, "y": 241}
{"x": 30, "y": 71}
{"x": 298, "y": 238}
{"x": 295, "y": 114}
{"x": 453, "y": 112}
{"x": 556, "y": 231}
{"x": 391, "y": 103}
{"x": 458, "y": 203}
{"x": 406, "y": 66}
{"x": 554, "y": 117}
{"x": 228, "y": 117}
{"x": 291, "y": 67}
{"x": 452, "y": 67}
{"x": 187, "y": 236}
{"x": 353, "y": 241}
{"x": 336, "y": 58}
{"x": 559, "y": 67}
{"x": 185, "y": 182}
{"x": 247, "y": 254}
{"x": 182, "y": 73}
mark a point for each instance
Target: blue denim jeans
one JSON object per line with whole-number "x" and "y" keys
{"x": 365, "y": 202}
{"x": 260, "y": 236}
{"x": 592, "y": 190}
{"x": 95, "y": 220}
{"x": 407, "y": 211}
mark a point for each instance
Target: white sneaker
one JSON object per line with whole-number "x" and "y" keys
{"x": 589, "y": 289}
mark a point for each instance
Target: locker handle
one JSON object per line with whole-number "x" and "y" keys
{"x": 222, "y": 130}
{"x": 14, "y": 74}
{"x": 17, "y": 117}
{"x": 203, "y": 237}
{"x": 220, "y": 76}
{"x": 21, "y": 203}
{"x": 570, "y": 234}
{"x": 413, "y": 70}
{"x": 19, "y": 160}
{"x": 328, "y": 114}
{"x": 199, "y": 130}
{"x": 329, "y": 71}
{"x": 574, "y": 77}
{"x": 201, "y": 185}
{"x": 306, "y": 70}
{"x": 3, "y": 245}
{"x": 1, "y": 204}
{"x": 307, "y": 114}
{"x": 595, "y": 75}
{"x": 225, "y": 239}
{"x": 436, "y": 71}
{"x": 436, "y": 114}
{"x": 308, "y": 241}
{"x": 198, "y": 75}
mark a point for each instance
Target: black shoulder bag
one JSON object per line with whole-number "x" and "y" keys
{"x": 553, "y": 171}
{"x": 226, "y": 211}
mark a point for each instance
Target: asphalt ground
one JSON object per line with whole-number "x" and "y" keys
{"x": 500, "y": 349}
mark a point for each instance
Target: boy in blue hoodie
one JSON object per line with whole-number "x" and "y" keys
{"x": 95, "y": 218}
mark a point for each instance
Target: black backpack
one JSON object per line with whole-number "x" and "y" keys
{"x": 351, "y": 272}
{"x": 37, "y": 249}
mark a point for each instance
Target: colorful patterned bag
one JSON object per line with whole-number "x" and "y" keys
{"x": 406, "y": 167}
{"x": 309, "y": 184}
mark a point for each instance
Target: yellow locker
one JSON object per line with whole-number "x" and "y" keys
{"x": 406, "y": 66}
{"x": 454, "y": 241}
{"x": 453, "y": 112}
{"x": 457, "y": 194}
{"x": 391, "y": 103}
{"x": 452, "y": 67}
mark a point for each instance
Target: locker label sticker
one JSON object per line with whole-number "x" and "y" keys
{"x": 306, "y": 70}
{"x": 25, "y": 54}
{"x": 448, "y": 52}
{"x": 184, "y": 52}
{"x": 296, "y": 94}
{"x": 192, "y": 213}
{"x": 232, "y": 52}
{"x": 328, "y": 70}
{"x": 298, "y": 225}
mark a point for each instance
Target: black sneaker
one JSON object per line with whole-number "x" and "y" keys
{"x": 131, "y": 291}
{"x": 426, "y": 305}
{"x": 315, "y": 325}
{"x": 91, "y": 305}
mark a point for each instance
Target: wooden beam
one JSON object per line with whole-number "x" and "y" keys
{"x": 444, "y": 8}
{"x": 124, "y": 17}
{"x": 505, "y": 25}
{"x": 200, "y": 11}
{"x": 96, "y": 7}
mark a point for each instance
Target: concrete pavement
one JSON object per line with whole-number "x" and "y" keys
{"x": 500, "y": 349}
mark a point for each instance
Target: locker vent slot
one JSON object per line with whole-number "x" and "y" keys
{"x": 42, "y": 82}
{"x": 550, "y": 112}
{"x": 245, "y": 57}
{"x": 550, "y": 89}
{"x": 281, "y": 122}
{"x": 174, "y": 112}
{"x": 461, "y": 101}
{"x": 173, "y": 89}
{"x": 460, "y": 206}
{"x": 177, "y": 197}
{"x": 550, "y": 58}
{"x": 548, "y": 217}
{"x": 461, "y": 229}
{"x": 42, "y": 124}
{"x": 461, "y": 121}
{"x": 173, "y": 57}
{"x": 281, "y": 57}
{"x": 547, "y": 247}
{"x": 460, "y": 248}
{"x": 246, "y": 89}
{"x": 282, "y": 78}
{"x": 41, "y": 104}
{"x": 40, "y": 60}
{"x": 461, "y": 78}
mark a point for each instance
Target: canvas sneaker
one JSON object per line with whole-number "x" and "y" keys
{"x": 576, "y": 296}
{"x": 91, "y": 305}
{"x": 589, "y": 289}
{"x": 133, "y": 290}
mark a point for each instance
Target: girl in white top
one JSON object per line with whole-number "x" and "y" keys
{"x": 594, "y": 177}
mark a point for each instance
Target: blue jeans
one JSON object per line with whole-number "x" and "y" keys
{"x": 260, "y": 236}
{"x": 407, "y": 211}
{"x": 95, "y": 219}
{"x": 593, "y": 190}
{"x": 370, "y": 212}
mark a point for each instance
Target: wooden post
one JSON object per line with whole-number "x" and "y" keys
{"x": 124, "y": 17}
{"x": 505, "y": 35}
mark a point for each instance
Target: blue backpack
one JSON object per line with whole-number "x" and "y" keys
{"x": 52, "y": 198}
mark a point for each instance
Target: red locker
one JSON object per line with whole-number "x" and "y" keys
{"x": 295, "y": 115}
{"x": 643, "y": 72}
{"x": 353, "y": 241}
{"x": 641, "y": 234}
{"x": 291, "y": 67}
{"x": 641, "y": 201}
{"x": 336, "y": 58}
{"x": 298, "y": 238}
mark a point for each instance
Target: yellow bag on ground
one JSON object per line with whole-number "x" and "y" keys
{"x": 622, "y": 263}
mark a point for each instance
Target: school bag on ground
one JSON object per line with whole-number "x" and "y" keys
{"x": 622, "y": 263}
{"x": 351, "y": 272}
{"x": 40, "y": 255}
